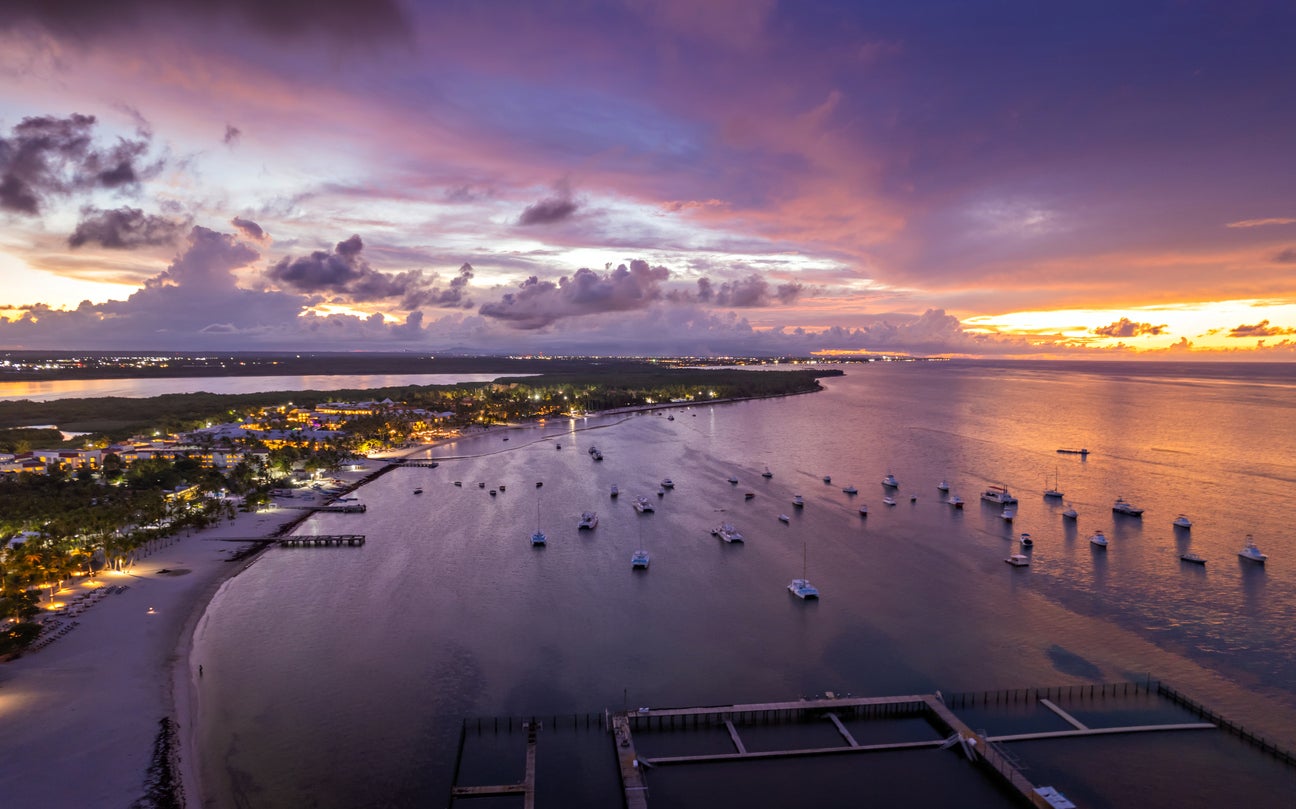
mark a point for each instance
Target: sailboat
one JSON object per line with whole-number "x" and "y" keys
{"x": 802, "y": 588}
{"x": 640, "y": 559}
{"x": 538, "y": 539}
{"x": 1053, "y": 492}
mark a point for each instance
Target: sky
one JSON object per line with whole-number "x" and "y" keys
{"x": 649, "y": 177}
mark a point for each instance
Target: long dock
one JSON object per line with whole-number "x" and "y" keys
{"x": 525, "y": 787}
{"x": 322, "y": 541}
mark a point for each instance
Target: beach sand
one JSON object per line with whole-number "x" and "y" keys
{"x": 81, "y": 716}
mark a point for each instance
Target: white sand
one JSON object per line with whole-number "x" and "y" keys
{"x": 80, "y": 716}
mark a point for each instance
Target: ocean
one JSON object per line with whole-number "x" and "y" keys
{"x": 340, "y": 677}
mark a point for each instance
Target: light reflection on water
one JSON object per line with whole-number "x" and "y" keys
{"x": 352, "y": 667}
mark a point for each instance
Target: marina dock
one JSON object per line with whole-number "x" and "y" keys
{"x": 322, "y": 541}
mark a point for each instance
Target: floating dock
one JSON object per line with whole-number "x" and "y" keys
{"x": 321, "y": 541}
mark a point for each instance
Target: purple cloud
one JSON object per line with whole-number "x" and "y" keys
{"x": 250, "y": 229}
{"x": 125, "y": 229}
{"x": 345, "y": 275}
{"x": 539, "y": 303}
{"x": 1128, "y": 328}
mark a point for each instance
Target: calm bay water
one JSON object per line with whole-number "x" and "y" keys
{"x": 142, "y": 388}
{"x": 337, "y": 678}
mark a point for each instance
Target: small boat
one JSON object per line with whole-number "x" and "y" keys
{"x": 419, "y": 490}
{"x": 749, "y": 495}
{"x": 827, "y": 478}
{"x": 614, "y": 491}
{"x": 639, "y": 561}
{"x": 1192, "y": 558}
{"x": 1018, "y": 560}
{"x": 670, "y": 418}
{"x": 998, "y": 494}
{"x": 890, "y": 501}
{"x": 727, "y": 532}
{"x": 1250, "y": 551}
{"x": 1008, "y": 514}
{"x": 733, "y": 479}
{"x": 863, "y": 510}
{"x": 557, "y": 446}
{"x": 538, "y": 539}
{"x": 505, "y": 439}
{"x": 784, "y": 518}
{"x": 458, "y": 483}
{"x": 539, "y": 483}
{"x": 598, "y": 456}
{"x": 588, "y": 520}
{"x": 798, "y": 501}
{"x": 1121, "y": 507}
{"x": 1182, "y": 521}
{"x": 767, "y": 473}
{"x": 913, "y": 498}
{"x": 661, "y": 492}
{"x": 1099, "y": 540}
{"x": 851, "y": 490}
{"x": 1070, "y": 513}
{"x": 493, "y": 492}
{"x": 667, "y": 483}
{"x": 1066, "y": 451}
{"x": 890, "y": 480}
{"x": 1026, "y": 540}
{"x": 955, "y": 501}
{"x": 501, "y": 487}
{"x": 943, "y": 486}
{"x": 803, "y": 589}
{"x": 642, "y": 504}
{"x": 481, "y": 484}
{"x": 592, "y": 450}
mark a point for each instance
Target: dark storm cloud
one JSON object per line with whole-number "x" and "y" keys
{"x": 539, "y": 303}
{"x": 549, "y": 210}
{"x": 1261, "y": 329}
{"x": 346, "y": 21}
{"x": 752, "y": 291}
{"x": 125, "y": 228}
{"x": 345, "y": 275}
{"x": 249, "y": 228}
{"x": 1128, "y": 328}
{"x": 45, "y": 157}
{"x": 232, "y": 134}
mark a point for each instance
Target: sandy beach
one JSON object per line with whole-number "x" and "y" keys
{"x": 82, "y": 715}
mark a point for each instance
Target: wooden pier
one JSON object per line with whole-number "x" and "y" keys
{"x": 525, "y": 787}
{"x": 420, "y": 464}
{"x": 321, "y": 541}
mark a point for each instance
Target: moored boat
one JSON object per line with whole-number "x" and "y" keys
{"x": 1127, "y": 509}
{"x": 1068, "y": 451}
{"x": 767, "y": 473}
{"x": 1008, "y": 514}
{"x": 1193, "y": 558}
{"x": 943, "y": 486}
{"x": 1070, "y": 513}
{"x": 863, "y": 510}
{"x": 639, "y": 561}
{"x": 827, "y": 478}
{"x": 642, "y": 504}
{"x": 613, "y": 490}
{"x": 1182, "y": 521}
{"x": 1099, "y": 539}
{"x": 890, "y": 501}
{"x": 998, "y": 494}
{"x": 784, "y": 518}
{"x": 727, "y": 532}
{"x": 749, "y": 495}
{"x": 1251, "y": 552}
{"x": 1027, "y": 541}
{"x": 733, "y": 479}
{"x": 1018, "y": 560}
{"x": 667, "y": 483}
{"x": 419, "y": 490}
{"x": 588, "y": 519}
{"x": 850, "y": 490}
{"x": 538, "y": 538}
{"x": 798, "y": 501}
{"x": 955, "y": 501}
{"x": 890, "y": 481}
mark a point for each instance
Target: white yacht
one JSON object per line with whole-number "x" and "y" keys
{"x": 538, "y": 538}
{"x": 943, "y": 486}
{"x": 733, "y": 479}
{"x": 890, "y": 480}
{"x": 784, "y": 518}
{"x": 640, "y": 560}
{"x": 1070, "y": 513}
{"x": 1099, "y": 540}
{"x": 1129, "y": 510}
{"x": 851, "y": 490}
{"x": 998, "y": 494}
{"x": 1250, "y": 551}
{"x": 727, "y": 532}
{"x": 1009, "y": 513}
{"x": 667, "y": 483}
{"x": 1018, "y": 560}
{"x": 802, "y": 588}
{"x": 642, "y": 504}
{"x": 1052, "y": 492}
{"x": 798, "y": 501}
{"x": 890, "y": 501}
{"x": 614, "y": 491}
{"x": 1182, "y": 521}
{"x": 955, "y": 501}
{"x": 588, "y": 520}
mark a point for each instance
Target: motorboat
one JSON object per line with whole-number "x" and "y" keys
{"x": 1070, "y": 513}
{"x": 727, "y": 532}
{"x": 1192, "y": 558}
{"x": 481, "y": 484}
{"x": 1129, "y": 510}
{"x": 613, "y": 490}
{"x": 890, "y": 480}
{"x": 493, "y": 492}
{"x": 863, "y": 510}
{"x": 1008, "y": 514}
{"x": 588, "y": 519}
{"x": 1027, "y": 541}
{"x": 501, "y": 487}
{"x": 661, "y": 492}
{"x": 639, "y": 561}
{"x": 1182, "y": 521}
{"x": 598, "y": 456}
{"x": 784, "y": 518}
{"x": 733, "y": 479}
{"x": 642, "y": 504}
{"x": 1250, "y": 551}
{"x": 803, "y": 589}
{"x": 827, "y": 478}
{"x": 851, "y": 490}
{"x": 798, "y": 501}
{"x": 667, "y": 483}
{"x": 767, "y": 473}
{"x": 419, "y": 490}
{"x": 592, "y": 450}
{"x": 749, "y": 495}
{"x": 539, "y": 483}
{"x": 670, "y": 418}
{"x": 913, "y": 498}
{"x": 890, "y": 501}
{"x": 943, "y": 486}
{"x": 458, "y": 483}
{"x": 998, "y": 494}
{"x": 538, "y": 538}
{"x": 955, "y": 501}
{"x": 1018, "y": 560}
{"x": 1099, "y": 539}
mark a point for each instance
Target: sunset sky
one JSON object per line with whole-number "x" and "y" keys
{"x": 649, "y": 177}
